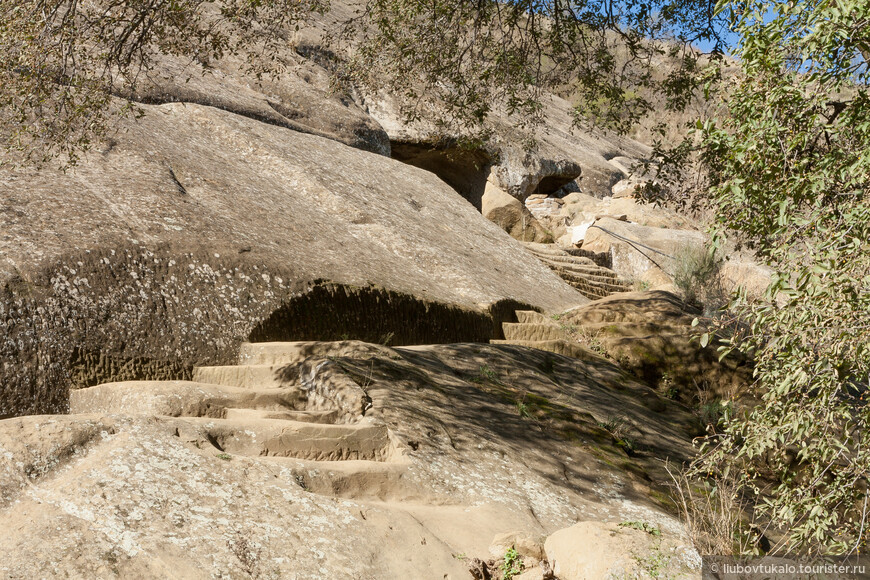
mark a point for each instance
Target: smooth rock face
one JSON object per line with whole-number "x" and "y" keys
{"x": 195, "y": 227}
{"x": 299, "y": 99}
{"x": 188, "y": 480}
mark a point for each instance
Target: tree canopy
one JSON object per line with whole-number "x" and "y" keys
{"x": 61, "y": 61}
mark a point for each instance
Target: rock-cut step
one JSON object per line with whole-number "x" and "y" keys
{"x": 261, "y": 376}
{"x": 367, "y": 440}
{"x": 329, "y": 416}
{"x": 590, "y": 279}
{"x": 531, "y": 332}
{"x": 182, "y": 399}
{"x": 291, "y": 353}
{"x": 532, "y": 317}
{"x": 562, "y": 347}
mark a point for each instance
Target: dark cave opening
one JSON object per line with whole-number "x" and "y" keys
{"x": 463, "y": 169}
{"x": 331, "y": 312}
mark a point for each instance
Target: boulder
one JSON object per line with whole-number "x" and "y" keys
{"x": 530, "y": 548}
{"x": 579, "y": 208}
{"x": 635, "y": 249}
{"x": 626, "y": 188}
{"x": 522, "y": 173}
{"x": 512, "y": 216}
{"x": 740, "y": 271}
{"x": 656, "y": 279}
{"x": 594, "y": 550}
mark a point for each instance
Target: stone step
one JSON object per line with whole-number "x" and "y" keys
{"x": 576, "y": 265}
{"x": 596, "y": 287}
{"x": 243, "y": 376}
{"x": 279, "y": 438}
{"x": 550, "y": 249}
{"x": 602, "y": 276}
{"x": 535, "y": 332}
{"x": 180, "y": 399}
{"x": 288, "y": 415}
{"x": 593, "y": 290}
{"x": 560, "y": 255}
{"x": 532, "y": 317}
{"x": 603, "y": 259}
{"x": 289, "y": 353}
{"x": 562, "y": 347}
{"x": 357, "y": 480}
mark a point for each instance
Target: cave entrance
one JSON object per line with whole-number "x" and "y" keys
{"x": 463, "y": 169}
{"x": 553, "y": 183}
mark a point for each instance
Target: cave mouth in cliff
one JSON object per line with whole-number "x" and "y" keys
{"x": 551, "y": 184}
{"x": 462, "y": 168}
{"x": 332, "y": 312}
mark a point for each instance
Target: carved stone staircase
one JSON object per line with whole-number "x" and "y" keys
{"x": 590, "y": 279}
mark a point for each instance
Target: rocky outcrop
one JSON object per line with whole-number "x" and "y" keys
{"x": 636, "y": 249}
{"x": 563, "y": 157}
{"x": 194, "y": 225}
{"x": 326, "y": 453}
{"x": 511, "y": 215}
{"x": 651, "y": 335}
{"x": 745, "y": 272}
{"x": 301, "y": 98}
{"x": 648, "y": 334}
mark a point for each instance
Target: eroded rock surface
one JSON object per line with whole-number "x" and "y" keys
{"x": 337, "y": 452}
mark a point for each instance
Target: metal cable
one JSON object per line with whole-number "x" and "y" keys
{"x": 634, "y": 244}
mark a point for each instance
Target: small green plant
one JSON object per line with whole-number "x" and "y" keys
{"x": 714, "y": 412}
{"x": 523, "y": 409}
{"x": 643, "y": 527}
{"x": 460, "y": 556}
{"x": 486, "y": 373}
{"x": 547, "y": 366}
{"x": 620, "y": 429}
{"x": 656, "y": 563}
{"x": 224, "y": 456}
{"x": 387, "y": 338}
{"x": 640, "y": 285}
{"x": 512, "y": 564}
{"x": 667, "y": 387}
{"x": 591, "y": 339}
{"x": 711, "y": 410}
{"x": 569, "y": 328}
